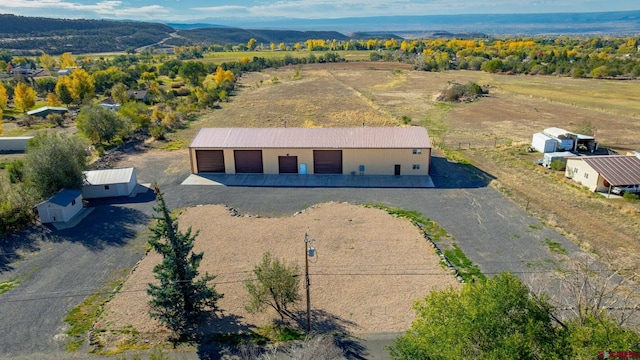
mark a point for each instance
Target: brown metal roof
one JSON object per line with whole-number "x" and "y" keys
{"x": 317, "y": 138}
{"x": 616, "y": 169}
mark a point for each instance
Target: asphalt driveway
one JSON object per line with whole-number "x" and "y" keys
{"x": 58, "y": 269}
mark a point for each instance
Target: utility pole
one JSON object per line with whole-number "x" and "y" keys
{"x": 306, "y": 277}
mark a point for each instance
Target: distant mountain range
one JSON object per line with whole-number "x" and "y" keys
{"x": 604, "y": 23}
{"x": 34, "y": 35}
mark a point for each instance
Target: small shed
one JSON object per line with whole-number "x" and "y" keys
{"x": 544, "y": 143}
{"x": 61, "y": 207}
{"x": 109, "y": 183}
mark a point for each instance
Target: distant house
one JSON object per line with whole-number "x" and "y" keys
{"x": 110, "y": 103}
{"x": 601, "y": 173}
{"x": 61, "y": 207}
{"x": 109, "y": 183}
{"x": 24, "y": 69}
{"x": 139, "y": 95}
{"x": 46, "y": 110}
{"x": 63, "y": 72}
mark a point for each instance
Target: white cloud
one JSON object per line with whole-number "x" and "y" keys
{"x": 177, "y": 10}
{"x": 57, "y": 4}
{"x": 354, "y": 8}
{"x": 103, "y": 9}
{"x": 144, "y": 12}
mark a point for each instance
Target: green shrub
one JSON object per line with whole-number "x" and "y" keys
{"x": 15, "y": 169}
{"x": 157, "y": 131}
{"x": 630, "y": 196}
{"x": 557, "y": 165}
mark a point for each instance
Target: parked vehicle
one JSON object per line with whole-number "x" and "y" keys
{"x": 620, "y": 190}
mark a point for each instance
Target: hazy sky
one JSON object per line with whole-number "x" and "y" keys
{"x": 192, "y": 10}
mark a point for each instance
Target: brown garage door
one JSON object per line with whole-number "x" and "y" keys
{"x": 248, "y": 161}
{"x": 210, "y": 160}
{"x": 327, "y": 161}
{"x": 288, "y": 164}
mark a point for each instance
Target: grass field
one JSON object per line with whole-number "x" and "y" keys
{"x": 219, "y": 57}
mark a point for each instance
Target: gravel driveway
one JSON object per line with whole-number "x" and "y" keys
{"x": 59, "y": 269}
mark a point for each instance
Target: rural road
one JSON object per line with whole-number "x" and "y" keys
{"x": 59, "y": 269}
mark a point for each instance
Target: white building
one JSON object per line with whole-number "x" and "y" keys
{"x": 109, "y": 183}
{"x": 61, "y": 207}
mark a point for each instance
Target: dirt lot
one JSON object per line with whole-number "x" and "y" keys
{"x": 370, "y": 267}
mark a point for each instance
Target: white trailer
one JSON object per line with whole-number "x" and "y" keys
{"x": 544, "y": 143}
{"x": 551, "y": 157}
{"x": 14, "y": 144}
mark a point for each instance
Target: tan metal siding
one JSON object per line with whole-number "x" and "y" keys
{"x": 383, "y": 161}
{"x": 270, "y": 159}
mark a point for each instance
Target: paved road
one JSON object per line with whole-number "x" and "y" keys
{"x": 58, "y": 269}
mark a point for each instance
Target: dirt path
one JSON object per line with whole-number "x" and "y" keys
{"x": 370, "y": 267}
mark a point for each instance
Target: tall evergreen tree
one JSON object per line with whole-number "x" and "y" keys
{"x": 179, "y": 299}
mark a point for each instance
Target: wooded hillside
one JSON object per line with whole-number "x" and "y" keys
{"x": 210, "y": 36}
{"x": 22, "y": 34}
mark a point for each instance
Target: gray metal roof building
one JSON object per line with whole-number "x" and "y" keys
{"x": 616, "y": 169}
{"x": 353, "y": 138}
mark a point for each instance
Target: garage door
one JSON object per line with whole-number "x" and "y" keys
{"x": 327, "y": 161}
{"x": 288, "y": 164}
{"x": 210, "y": 160}
{"x": 248, "y": 161}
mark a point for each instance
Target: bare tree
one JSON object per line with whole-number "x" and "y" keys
{"x": 588, "y": 288}
{"x": 320, "y": 347}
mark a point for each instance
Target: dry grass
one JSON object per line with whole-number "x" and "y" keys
{"x": 370, "y": 268}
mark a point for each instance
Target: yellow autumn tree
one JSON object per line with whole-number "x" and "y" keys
{"x": 24, "y": 97}
{"x": 0, "y": 121}
{"x": 223, "y": 75}
{"x": 52, "y": 100}
{"x": 63, "y": 90}
{"x": 252, "y": 43}
{"x": 3, "y": 97}
{"x": 82, "y": 86}
{"x": 67, "y": 60}
{"x": 47, "y": 61}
